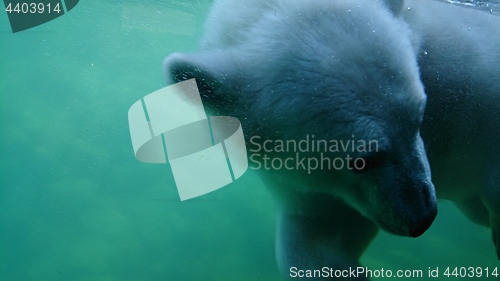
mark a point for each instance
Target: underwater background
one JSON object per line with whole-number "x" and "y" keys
{"x": 75, "y": 204}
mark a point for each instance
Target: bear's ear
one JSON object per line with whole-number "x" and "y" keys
{"x": 214, "y": 72}
{"x": 396, "y": 6}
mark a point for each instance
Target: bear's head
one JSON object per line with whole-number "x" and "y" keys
{"x": 338, "y": 71}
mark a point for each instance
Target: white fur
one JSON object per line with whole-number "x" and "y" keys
{"x": 333, "y": 69}
{"x": 460, "y": 64}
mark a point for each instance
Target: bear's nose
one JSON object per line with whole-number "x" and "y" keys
{"x": 425, "y": 223}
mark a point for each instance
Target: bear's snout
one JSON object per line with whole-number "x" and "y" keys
{"x": 424, "y": 223}
{"x": 426, "y": 206}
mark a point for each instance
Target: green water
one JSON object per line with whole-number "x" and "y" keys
{"x": 75, "y": 204}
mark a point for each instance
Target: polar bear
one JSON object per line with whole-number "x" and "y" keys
{"x": 343, "y": 71}
{"x": 459, "y": 60}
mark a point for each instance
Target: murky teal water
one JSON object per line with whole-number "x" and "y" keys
{"x": 75, "y": 204}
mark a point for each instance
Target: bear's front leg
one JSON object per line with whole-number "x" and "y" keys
{"x": 322, "y": 244}
{"x": 484, "y": 208}
{"x": 491, "y": 198}
{"x": 495, "y": 231}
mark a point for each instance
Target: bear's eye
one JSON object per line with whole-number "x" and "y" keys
{"x": 367, "y": 163}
